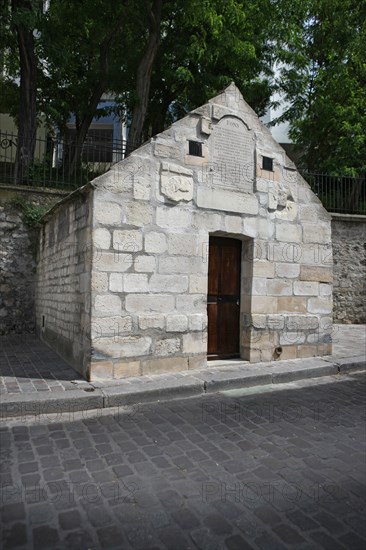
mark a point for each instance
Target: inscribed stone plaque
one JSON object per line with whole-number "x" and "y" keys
{"x": 231, "y": 163}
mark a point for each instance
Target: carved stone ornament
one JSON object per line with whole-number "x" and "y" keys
{"x": 176, "y": 183}
{"x": 278, "y": 196}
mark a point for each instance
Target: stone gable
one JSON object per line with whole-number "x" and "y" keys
{"x": 217, "y": 173}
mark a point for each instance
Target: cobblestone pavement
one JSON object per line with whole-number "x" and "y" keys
{"x": 282, "y": 468}
{"x": 27, "y": 365}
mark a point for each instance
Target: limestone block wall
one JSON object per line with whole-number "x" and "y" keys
{"x": 153, "y": 216}
{"x": 149, "y": 281}
{"x": 63, "y": 281}
{"x": 349, "y": 245}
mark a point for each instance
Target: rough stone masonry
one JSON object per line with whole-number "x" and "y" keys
{"x": 123, "y": 264}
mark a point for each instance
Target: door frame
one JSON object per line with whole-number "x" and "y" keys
{"x": 237, "y": 354}
{"x": 246, "y": 283}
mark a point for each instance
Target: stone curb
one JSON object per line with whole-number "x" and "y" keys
{"x": 303, "y": 374}
{"x": 156, "y": 392}
{"x": 351, "y": 363}
{"x": 194, "y": 384}
{"x": 59, "y": 402}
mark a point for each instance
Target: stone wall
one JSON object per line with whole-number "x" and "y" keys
{"x": 17, "y": 268}
{"x": 18, "y": 243}
{"x": 63, "y": 281}
{"x": 349, "y": 249}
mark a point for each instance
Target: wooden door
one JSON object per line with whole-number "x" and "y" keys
{"x": 223, "y": 299}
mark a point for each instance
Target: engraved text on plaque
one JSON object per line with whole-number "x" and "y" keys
{"x": 231, "y": 155}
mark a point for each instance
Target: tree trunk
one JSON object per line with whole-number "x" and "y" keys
{"x": 72, "y": 159}
{"x": 143, "y": 76}
{"x": 160, "y": 113}
{"x": 27, "y": 121}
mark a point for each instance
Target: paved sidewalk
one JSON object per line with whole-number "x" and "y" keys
{"x": 34, "y": 380}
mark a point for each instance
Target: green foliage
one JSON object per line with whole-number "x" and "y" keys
{"x": 9, "y": 96}
{"x": 74, "y": 38}
{"x": 31, "y": 213}
{"x": 319, "y": 45}
{"x": 29, "y": 15}
{"x": 39, "y": 171}
{"x": 323, "y": 78}
{"x": 205, "y": 46}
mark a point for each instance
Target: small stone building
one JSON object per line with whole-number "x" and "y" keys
{"x": 205, "y": 243}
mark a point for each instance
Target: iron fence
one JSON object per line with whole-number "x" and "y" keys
{"x": 53, "y": 165}
{"x": 57, "y": 163}
{"x": 339, "y": 194}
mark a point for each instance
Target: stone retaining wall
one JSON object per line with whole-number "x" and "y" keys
{"x": 18, "y": 243}
{"x": 17, "y": 267}
{"x": 349, "y": 254}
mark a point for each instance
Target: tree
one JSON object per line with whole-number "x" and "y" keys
{"x": 80, "y": 59}
{"x": 323, "y": 78}
{"x": 144, "y": 71}
{"x": 161, "y": 61}
{"x": 170, "y": 56}
{"x": 25, "y": 14}
{"x": 204, "y": 46}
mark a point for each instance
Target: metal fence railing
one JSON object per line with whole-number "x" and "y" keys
{"x": 339, "y": 194}
{"x": 54, "y": 164}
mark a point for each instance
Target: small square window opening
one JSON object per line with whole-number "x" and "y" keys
{"x": 267, "y": 164}
{"x": 195, "y": 148}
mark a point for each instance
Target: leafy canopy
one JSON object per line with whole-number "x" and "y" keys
{"x": 319, "y": 46}
{"x": 323, "y": 79}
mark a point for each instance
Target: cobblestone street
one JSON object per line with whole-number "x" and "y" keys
{"x": 266, "y": 469}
